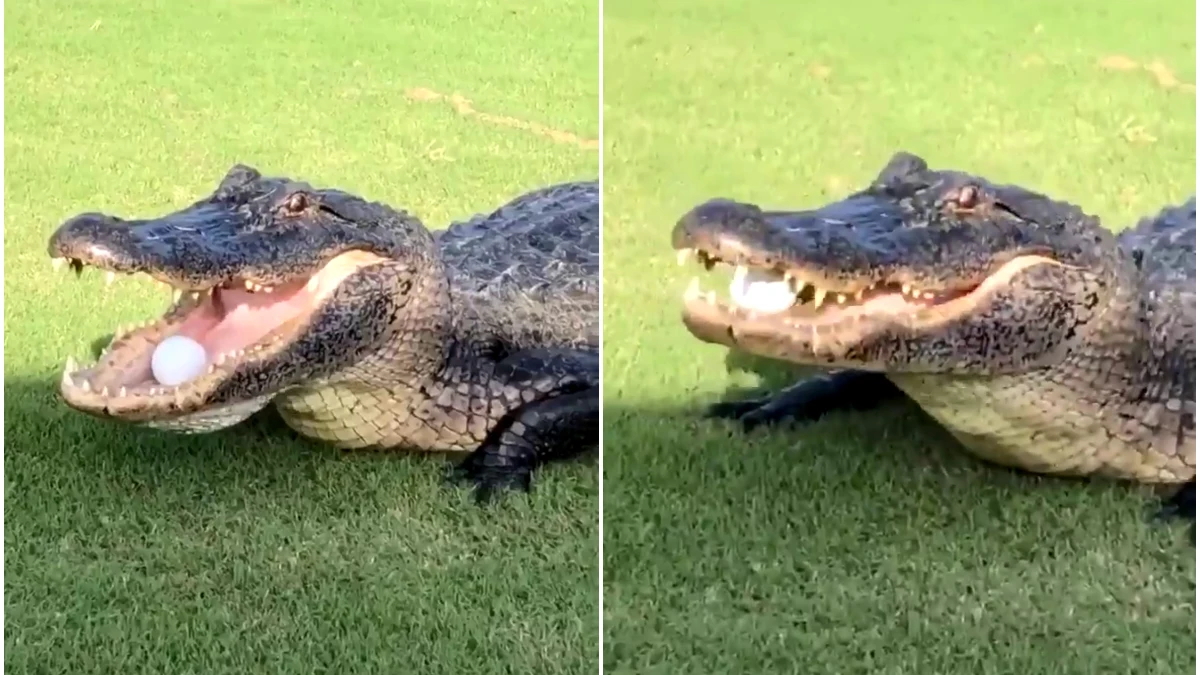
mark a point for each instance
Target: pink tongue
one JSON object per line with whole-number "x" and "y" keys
{"x": 248, "y": 318}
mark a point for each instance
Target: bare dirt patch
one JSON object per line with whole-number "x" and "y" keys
{"x": 464, "y": 107}
{"x": 1163, "y": 75}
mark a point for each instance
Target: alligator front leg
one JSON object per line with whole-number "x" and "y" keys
{"x": 556, "y": 428}
{"x": 560, "y": 420}
{"x": 810, "y": 399}
{"x": 1181, "y": 504}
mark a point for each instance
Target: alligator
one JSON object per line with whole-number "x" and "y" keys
{"x": 365, "y": 329}
{"x": 1039, "y": 339}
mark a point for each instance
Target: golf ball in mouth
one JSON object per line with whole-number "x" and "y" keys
{"x": 177, "y": 360}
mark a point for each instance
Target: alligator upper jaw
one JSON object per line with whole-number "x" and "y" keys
{"x": 206, "y": 245}
{"x": 241, "y": 325}
{"x": 793, "y": 314}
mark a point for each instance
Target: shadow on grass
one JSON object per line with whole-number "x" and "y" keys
{"x": 125, "y": 545}
{"x": 262, "y": 450}
{"x": 824, "y": 547}
{"x": 889, "y": 470}
{"x": 261, "y": 456}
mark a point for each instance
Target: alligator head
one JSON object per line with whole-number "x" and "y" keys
{"x": 921, "y": 271}
{"x": 280, "y": 283}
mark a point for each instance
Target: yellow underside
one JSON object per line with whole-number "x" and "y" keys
{"x": 356, "y": 416}
{"x": 1039, "y": 426}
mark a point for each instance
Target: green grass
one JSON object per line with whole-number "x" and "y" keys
{"x": 132, "y": 551}
{"x": 868, "y": 544}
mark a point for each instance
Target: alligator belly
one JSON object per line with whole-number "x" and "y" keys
{"x": 350, "y": 418}
{"x": 1038, "y": 429}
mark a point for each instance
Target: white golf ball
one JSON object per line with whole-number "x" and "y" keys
{"x": 177, "y": 360}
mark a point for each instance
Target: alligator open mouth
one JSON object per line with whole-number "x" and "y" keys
{"x": 771, "y": 296}
{"x": 238, "y": 322}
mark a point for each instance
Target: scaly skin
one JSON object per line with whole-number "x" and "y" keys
{"x": 1036, "y": 337}
{"x": 481, "y": 338}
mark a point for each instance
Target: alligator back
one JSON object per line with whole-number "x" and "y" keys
{"x": 1164, "y": 248}
{"x": 528, "y": 274}
{"x": 1165, "y": 245}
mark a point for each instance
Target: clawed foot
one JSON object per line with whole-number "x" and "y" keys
{"x": 490, "y": 479}
{"x": 1182, "y": 504}
{"x": 810, "y": 399}
{"x": 752, "y": 413}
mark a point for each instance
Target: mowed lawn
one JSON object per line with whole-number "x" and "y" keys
{"x": 134, "y": 551}
{"x": 869, "y": 543}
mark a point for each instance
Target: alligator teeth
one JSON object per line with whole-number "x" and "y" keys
{"x": 122, "y": 392}
{"x": 85, "y": 385}
{"x": 929, "y": 295}
{"x": 818, "y": 297}
{"x": 109, "y": 278}
{"x": 693, "y": 288}
{"x": 176, "y": 295}
{"x": 904, "y": 289}
{"x": 711, "y": 297}
{"x": 858, "y": 295}
{"x": 57, "y": 263}
{"x": 683, "y": 255}
{"x": 841, "y": 298}
{"x": 66, "y": 374}
{"x": 104, "y": 392}
{"x": 257, "y": 288}
{"x": 220, "y": 359}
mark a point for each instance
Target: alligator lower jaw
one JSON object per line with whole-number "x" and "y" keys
{"x": 236, "y": 326}
{"x": 799, "y": 321}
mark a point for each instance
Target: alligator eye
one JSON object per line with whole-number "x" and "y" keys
{"x": 967, "y": 197}
{"x": 296, "y": 202}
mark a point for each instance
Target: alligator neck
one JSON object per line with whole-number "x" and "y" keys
{"x": 1121, "y": 403}
{"x": 389, "y": 397}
